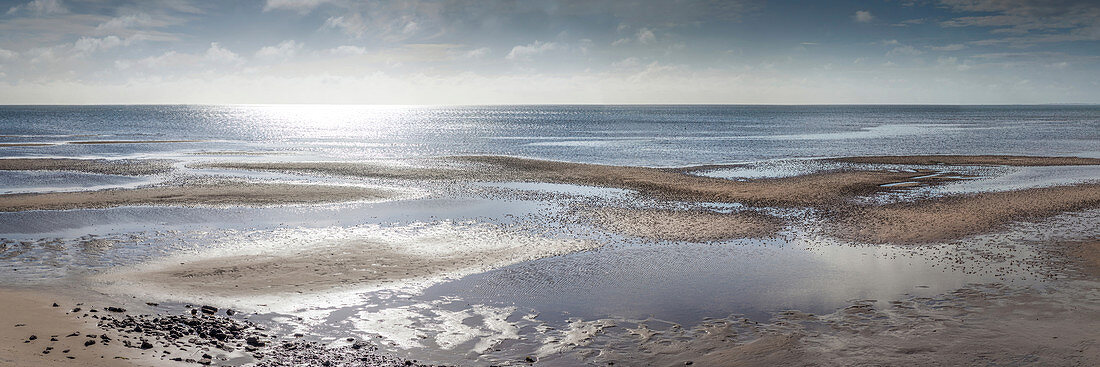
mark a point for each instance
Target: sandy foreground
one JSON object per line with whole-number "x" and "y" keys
{"x": 206, "y": 194}
{"x": 28, "y": 313}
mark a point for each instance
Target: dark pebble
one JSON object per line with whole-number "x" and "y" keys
{"x": 116, "y": 309}
{"x": 89, "y": 342}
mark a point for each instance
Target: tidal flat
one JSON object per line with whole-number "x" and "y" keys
{"x": 498, "y": 260}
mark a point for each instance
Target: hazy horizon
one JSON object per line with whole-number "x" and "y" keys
{"x": 747, "y": 52}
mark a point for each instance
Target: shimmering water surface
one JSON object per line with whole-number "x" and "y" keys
{"x": 625, "y": 278}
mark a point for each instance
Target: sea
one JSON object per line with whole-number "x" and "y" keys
{"x": 642, "y": 135}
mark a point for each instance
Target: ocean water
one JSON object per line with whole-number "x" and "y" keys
{"x": 627, "y": 135}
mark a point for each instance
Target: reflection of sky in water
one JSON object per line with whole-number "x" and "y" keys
{"x": 685, "y": 282}
{"x": 1026, "y": 177}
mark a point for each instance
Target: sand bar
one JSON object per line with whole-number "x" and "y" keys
{"x": 806, "y": 190}
{"x": 971, "y": 160}
{"x": 204, "y": 194}
{"x": 128, "y": 167}
{"x": 317, "y": 260}
{"x": 690, "y": 226}
{"x": 951, "y": 218}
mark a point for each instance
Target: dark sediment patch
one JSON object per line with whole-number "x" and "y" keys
{"x": 128, "y": 167}
{"x": 952, "y": 218}
{"x": 208, "y": 194}
{"x": 970, "y": 160}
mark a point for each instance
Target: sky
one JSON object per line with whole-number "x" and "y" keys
{"x": 542, "y": 51}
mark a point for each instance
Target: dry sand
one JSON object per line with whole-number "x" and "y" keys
{"x": 951, "y": 218}
{"x": 690, "y": 226}
{"x": 206, "y": 194}
{"x": 25, "y": 313}
{"x": 129, "y": 167}
{"x": 971, "y": 160}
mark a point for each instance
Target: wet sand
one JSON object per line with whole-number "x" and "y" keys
{"x": 807, "y": 190}
{"x": 977, "y": 325}
{"x": 689, "y": 226}
{"x": 203, "y": 194}
{"x": 127, "y": 167}
{"x": 970, "y": 160}
{"x": 30, "y": 312}
{"x": 952, "y": 218}
{"x": 365, "y": 257}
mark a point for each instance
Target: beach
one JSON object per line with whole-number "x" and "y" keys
{"x": 230, "y": 252}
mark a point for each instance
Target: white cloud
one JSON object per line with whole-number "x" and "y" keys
{"x": 352, "y": 25}
{"x": 300, "y": 6}
{"x": 620, "y": 42}
{"x": 951, "y": 47}
{"x": 348, "y": 50}
{"x": 905, "y": 50}
{"x": 627, "y": 63}
{"x": 863, "y": 16}
{"x": 217, "y": 53}
{"x": 476, "y": 53}
{"x": 283, "y": 50}
{"x": 86, "y": 45}
{"x": 645, "y": 36}
{"x": 953, "y": 63}
{"x": 7, "y": 54}
{"x": 535, "y": 48}
{"x": 410, "y": 28}
{"x": 40, "y": 7}
{"x": 129, "y": 21}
